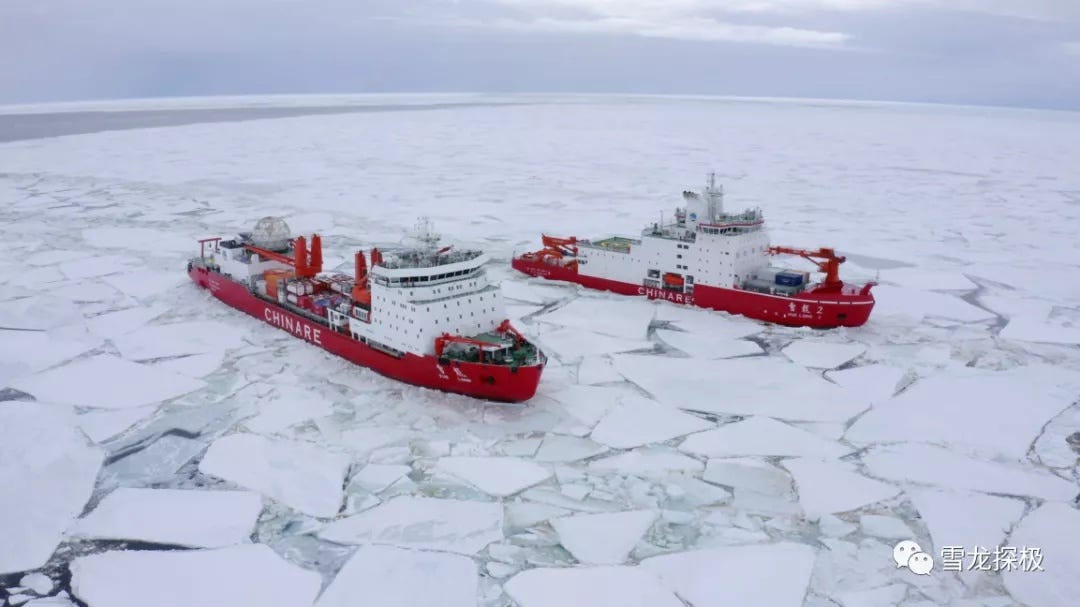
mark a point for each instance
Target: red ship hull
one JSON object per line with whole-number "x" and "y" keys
{"x": 490, "y": 382}
{"x": 818, "y": 309}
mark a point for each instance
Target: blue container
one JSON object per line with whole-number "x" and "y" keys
{"x": 789, "y": 279}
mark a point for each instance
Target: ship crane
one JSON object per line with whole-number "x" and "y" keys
{"x": 825, "y": 259}
{"x": 306, "y": 265}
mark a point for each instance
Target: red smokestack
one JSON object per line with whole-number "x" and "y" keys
{"x": 300, "y": 259}
{"x": 361, "y": 268}
{"x": 316, "y": 254}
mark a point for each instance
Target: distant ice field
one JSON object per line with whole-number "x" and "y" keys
{"x": 671, "y": 456}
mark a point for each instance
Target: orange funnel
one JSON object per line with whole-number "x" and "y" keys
{"x": 316, "y": 254}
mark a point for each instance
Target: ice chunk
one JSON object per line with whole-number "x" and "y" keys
{"x": 532, "y": 292}
{"x": 626, "y": 318}
{"x": 240, "y": 575}
{"x": 717, "y": 325}
{"x": 423, "y": 523}
{"x": 560, "y": 448}
{"x": 888, "y": 527}
{"x": 584, "y": 406}
{"x": 592, "y": 586}
{"x": 526, "y": 514}
{"x": 197, "y": 519}
{"x": 40, "y": 583}
{"x": 287, "y": 406}
{"x": 822, "y": 355}
{"x": 603, "y": 539}
{"x": 36, "y": 313}
{"x": 913, "y": 303}
{"x": 742, "y": 386}
{"x": 876, "y": 382}
{"x": 597, "y": 370}
{"x": 115, "y": 324}
{"x": 920, "y": 278}
{"x": 1052, "y": 529}
{"x": 648, "y": 462}
{"x": 761, "y": 436}
{"x": 965, "y": 519}
{"x": 769, "y": 575}
{"x": 33, "y": 351}
{"x": 997, "y": 410}
{"x": 140, "y": 240}
{"x": 100, "y": 426}
{"x": 92, "y": 267}
{"x": 377, "y": 477}
{"x": 53, "y": 257}
{"x": 178, "y": 339}
{"x": 498, "y": 476}
{"x": 47, "y": 471}
{"x": 927, "y": 464}
{"x": 572, "y": 344}
{"x": 144, "y": 283}
{"x": 637, "y": 421}
{"x": 830, "y": 486}
{"x": 106, "y": 382}
{"x": 707, "y": 346}
{"x": 300, "y": 475}
{"x": 874, "y": 597}
{"x": 395, "y": 577}
{"x": 748, "y": 474}
{"x": 1038, "y": 329}
{"x": 195, "y": 365}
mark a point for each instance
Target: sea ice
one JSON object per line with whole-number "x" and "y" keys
{"x": 197, "y": 519}
{"x": 377, "y": 477}
{"x": 532, "y": 292}
{"x": 592, "y": 586}
{"x": 395, "y": 577}
{"x": 115, "y": 324}
{"x": 498, "y": 476}
{"x": 561, "y": 448}
{"x": 1053, "y": 529}
{"x": 300, "y": 475}
{"x": 707, "y": 346}
{"x": 240, "y": 575}
{"x": 832, "y": 486}
{"x": 822, "y": 355}
{"x": 141, "y": 240}
{"x": 47, "y": 471}
{"x": 569, "y": 345}
{"x": 1038, "y": 329}
{"x": 917, "y": 304}
{"x": 769, "y": 575}
{"x": 92, "y": 267}
{"x": 717, "y": 325}
{"x": 106, "y": 382}
{"x": 960, "y": 518}
{"x": 888, "y": 527}
{"x": 195, "y": 365}
{"x": 748, "y": 474}
{"x": 37, "y": 313}
{"x": 101, "y": 425}
{"x": 625, "y": 318}
{"x": 876, "y": 382}
{"x": 921, "y": 278}
{"x": 424, "y": 523}
{"x": 178, "y": 339}
{"x": 759, "y": 435}
{"x": 603, "y": 539}
{"x": 40, "y": 583}
{"x": 995, "y": 410}
{"x": 742, "y": 386}
{"x": 597, "y": 370}
{"x": 285, "y": 407}
{"x": 874, "y": 597}
{"x": 648, "y": 462}
{"x": 637, "y": 421}
{"x": 144, "y": 283}
{"x": 928, "y": 464}
{"x": 33, "y": 351}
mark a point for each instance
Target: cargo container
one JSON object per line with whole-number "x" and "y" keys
{"x": 789, "y": 279}
{"x": 274, "y": 278}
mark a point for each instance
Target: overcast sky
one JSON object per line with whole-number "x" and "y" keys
{"x": 998, "y": 52}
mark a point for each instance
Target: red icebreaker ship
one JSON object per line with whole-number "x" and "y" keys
{"x": 711, "y": 259}
{"x": 426, "y": 316}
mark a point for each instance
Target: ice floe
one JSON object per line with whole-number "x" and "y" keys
{"x": 748, "y": 474}
{"x": 106, "y": 382}
{"x": 720, "y": 326}
{"x": 917, "y": 304}
{"x": 39, "y": 583}
{"x": 994, "y": 410}
{"x": 760, "y": 435}
{"x": 178, "y": 339}
{"x": 769, "y": 575}
{"x": 144, "y": 283}
{"x": 424, "y": 523}
{"x": 195, "y": 519}
{"x": 569, "y": 345}
{"x": 745, "y": 386}
{"x": 47, "y": 471}
{"x": 377, "y": 477}
{"x": 876, "y": 382}
{"x": 888, "y": 527}
{"x": 593, "y": 586}
{"x": 116, "y": 323}
{"x": 707, "y": 346}
{"x": 142, "y": 240}
{"x": 533, "y": 292}
{"x": 603, "y": 539}
{"x": 961, "y": 518}
{"x": 93, "y": 267}
{"x": 300, "y": 475}
{"x": 395, "y": 577}
{"x": 931, "y": 465}
{"x": 625, "y": 318}
{"x": 1053, "y": 529}
{"x": 194, "y": 365}
{"x": 648, "y": 462}
{"x": 1040, "y": 330}
{"x": 832, "y": 486}
{"x": 597, "y": 370}
{"x": 561, "y": 448}
{"x": 498, "y": 476}
{"x": 101, "y": 425}
{"x": 285, "y": 407}
{"x": 922, "y": 278}
{"x": 637, "y": 421}
{"x": 822, "y": 355}
{"x": 240, "y": 575}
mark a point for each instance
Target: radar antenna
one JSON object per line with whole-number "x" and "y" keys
{"x": 424, "y": 234}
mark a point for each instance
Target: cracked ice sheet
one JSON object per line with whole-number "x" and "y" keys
{"x": 533, "y": 292}
{"x": 592, "y": 586}
{"x": 178, "y": 339}
{"x": 597, "y": 370}
{"x": 1001, "y": 411}
{"x": 648, "y": 462}
{"x": 497, "y": 476}
{"x": 285, "y": 407}
{"x": 1040, "y": 330}
{"x": 822, "y": 355}
{"x": 603, "y": 539}
{"x": 106, "y": 382}
{"x": 960, "y": 518}
{"x": 625, "y": 318}
{"x": 572, "y": 344}
{"x": 423, "y": 523}
{"x": 191, "y": 518}
{"x": 37, "y": 313}
{"x": 769, "y": 575}
{"x": 928, "y": 280}
{"x": 707, "y": 346}
{"x": 760, "y": 435}
{"x": 1054, "y": 528}
{"x": 47, "y": 471}
{"x": 917, "y": 304}
{"x": 927, "y": 464}
{"x": 102, "y": 425}
{"x": 302, "y": 476}
{"x": 33, "y": 351}
{"x": 239, "y": 575}
{"x": 699, "y": 321}
{"x": 394, "y": 577}
{"x": 750, "y": 386}
{"x": 635, "y": 421}
{"x": 826, "y": 487}
{"x": 145, "y": 283}
{"x": 141, "y": 240}
{"x": 877, "y": 382}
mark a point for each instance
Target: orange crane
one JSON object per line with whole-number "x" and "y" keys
{"x": 826, "y": 260}
{"x": 564, "y": 246}
{"x": 300, "y": 259}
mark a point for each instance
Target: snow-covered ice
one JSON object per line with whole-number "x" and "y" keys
{"x": 498, "y": 476}
{"x": 39, "y": 583}
{"x": 821, "y": 354}
{"x": 707, "y": 346}
{"x": 593, "y": 586}
{"x": 597, "y": 370}
{"x": 101, "y": 425}
{"x": 1053, "y": 529}
{"x": 377, "y": 477}
{"x": 637, "y": 421}
{"x": 648, "y": 462}
{"x": 178, "y": 339}
{"x": 760, "y": 435}
{"x": 603, "y": 539}
{"x": 743, "y": 473}
{"x": 626, "y": 317}
{"x": 876, "y": 382}
{"x": 47, "y": 470}
{"x": 916, "y": 304}
{"x": 560, "y": 448}
{"x": 888, "y": 527}
{"x": 239, "y": 575}
{"x": 396, "y": 577}
{"x": 1038, "y": 329}
{"x": 424, "y": 523}
{"x": 106, "y": 382}
{"x": 963, "y": 518}
{"x": 196, "y": 519}
{"x": 569, "y": 345}
{"x": 828, "y": 486}
{"x": 300, "y": 475}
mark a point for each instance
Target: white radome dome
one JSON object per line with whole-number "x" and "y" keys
{"x": 271, "y": 233}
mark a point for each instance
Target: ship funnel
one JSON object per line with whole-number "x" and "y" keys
{"x": 361, "y": 268}
{"x": 300, "y": 256}
{"x": 316, "y": 253}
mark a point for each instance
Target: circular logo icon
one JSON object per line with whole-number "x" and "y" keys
{"x": 693, "y": 216}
